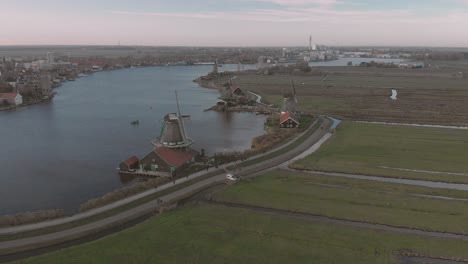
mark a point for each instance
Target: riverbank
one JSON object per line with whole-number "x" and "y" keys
{"x": 249, "y": 169}
{"x": 34, "y": 102}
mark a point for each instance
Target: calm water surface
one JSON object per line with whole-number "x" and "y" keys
{"x": 60, "y": 154}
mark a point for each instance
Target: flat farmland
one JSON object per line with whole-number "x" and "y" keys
{"x": 384, "y": 150}
{"x": 355, "y": 93}
{"x": 219, "y": 234}
{"x": 357, "y": 200}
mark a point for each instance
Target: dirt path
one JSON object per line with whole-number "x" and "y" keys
{"x": 412, "y": 125}
{"x": 430, "y": 184}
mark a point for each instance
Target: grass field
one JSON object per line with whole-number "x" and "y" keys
{"x": 428, "y": 96}
{"x": 368, "y": 148}
{"x": 216, "y": 234}
{"x": 350, "y": 199}
{"x": 318, "y": 105}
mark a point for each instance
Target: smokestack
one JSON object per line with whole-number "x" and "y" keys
{"x": 310, "y": 42}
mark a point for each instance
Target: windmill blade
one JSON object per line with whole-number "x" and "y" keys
{"x": 177, "y": 100}
{"x": 294, "y": 88}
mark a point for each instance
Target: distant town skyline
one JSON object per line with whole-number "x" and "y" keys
{"x": 235, "y": 23}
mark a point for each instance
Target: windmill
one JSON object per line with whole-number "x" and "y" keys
{"x": 290, "y": 103}
{"x": 215, "y": 67}
{"x": 173, "y": 133}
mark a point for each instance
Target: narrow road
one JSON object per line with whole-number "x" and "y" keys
{"x": 430, "y": 184}
{"x": 31, "y": 243}
{"x": 259, "y": 98}
{"x": 411, "y": 125}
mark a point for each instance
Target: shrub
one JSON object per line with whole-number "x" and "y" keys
{"x": 30, "y": 217}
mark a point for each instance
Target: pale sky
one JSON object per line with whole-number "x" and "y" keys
{"x": 234, "y": 22}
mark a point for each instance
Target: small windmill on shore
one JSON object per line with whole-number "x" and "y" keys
{"x": 290, "y": 103}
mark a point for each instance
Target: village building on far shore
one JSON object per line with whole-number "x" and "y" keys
{"x": 38, "y": 86}
{"x": 13, "y": 99}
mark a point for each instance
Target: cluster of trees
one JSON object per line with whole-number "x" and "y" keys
{"x": 378, "y": 64}
{"x": 298, "y": 67}
{"x": 451, "y": 56}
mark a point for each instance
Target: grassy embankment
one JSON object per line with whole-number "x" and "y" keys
{"x": 298, "y": 141}
{"x": 381, "y": 150}
{"x": 216, "y": 234}
{"x": 109, "y": 213}
{"x": 364, "y": 201}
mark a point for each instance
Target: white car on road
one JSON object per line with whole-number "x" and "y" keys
{"x": 231, "y": 177}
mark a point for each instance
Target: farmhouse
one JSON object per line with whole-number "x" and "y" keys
{"x": 237, "y": 90}
{"x": 168, "y": 159}
{"x": 11, "y": 99}
{"x": 288, "y": 120}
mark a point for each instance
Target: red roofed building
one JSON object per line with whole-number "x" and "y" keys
{"x": 11, "y": 98}
{"x": 288, "y": 120}
{"x": 163, "y": 158}
{"x": 129, "y": 164}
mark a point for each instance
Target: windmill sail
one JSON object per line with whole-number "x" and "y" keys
{"x": 173, "y": 134}
{"x": 290, "y": 103}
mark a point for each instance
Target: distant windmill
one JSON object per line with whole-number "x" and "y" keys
{"x": 215, "y": 66}
{"x": 290, "y": 102}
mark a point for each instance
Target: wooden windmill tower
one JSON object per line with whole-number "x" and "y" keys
{"x": 173, "y": 133}
{"x": 290, "y": 103}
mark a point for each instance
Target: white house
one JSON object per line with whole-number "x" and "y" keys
{"x": 11, "y": 98}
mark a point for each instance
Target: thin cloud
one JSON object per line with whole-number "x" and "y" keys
{"x": 322, "y": 3}
{"x": 290, "y": 15}
{"x": 262, "y": 16}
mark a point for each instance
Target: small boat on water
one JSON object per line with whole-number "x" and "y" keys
{"x": 135, "y": 123}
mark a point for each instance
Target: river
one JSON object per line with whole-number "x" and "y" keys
{"x": 64, "y": 152}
